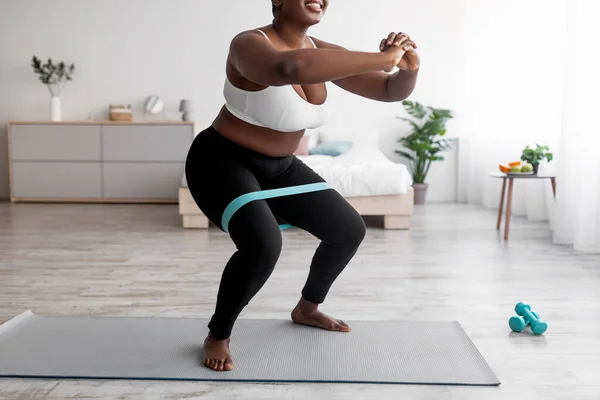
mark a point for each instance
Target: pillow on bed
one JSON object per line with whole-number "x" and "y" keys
{"x": 334, "y": 148}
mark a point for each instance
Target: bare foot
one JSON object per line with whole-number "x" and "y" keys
{"x": 216, "y": 354}
{"x": 307, "y": 313}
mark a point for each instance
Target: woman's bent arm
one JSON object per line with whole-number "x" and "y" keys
{"x": 256, "y": 59}
{"x": 376, "y": 85}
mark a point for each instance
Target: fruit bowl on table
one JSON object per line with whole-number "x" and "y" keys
{"x": 517, "y": 169}
{"x": 518, "y": 173}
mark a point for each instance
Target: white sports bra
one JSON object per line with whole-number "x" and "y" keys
{"x": 276, "y": 107}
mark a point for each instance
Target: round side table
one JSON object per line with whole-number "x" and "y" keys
{"x": 511, "y": 179}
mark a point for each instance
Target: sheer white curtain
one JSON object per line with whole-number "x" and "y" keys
{"x": 515, "y": 80}
{"x": 577, "y": 211}
{"x": 532, "y": 77}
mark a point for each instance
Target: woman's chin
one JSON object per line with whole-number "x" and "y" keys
{"x": 312, "y": 18}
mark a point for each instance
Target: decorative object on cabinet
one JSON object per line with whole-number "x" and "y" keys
{"x": 185, "y": 107}
{"x": 153, "y": 106}
{"x": 120, "y": 113}
{"x": 54, "y": 76}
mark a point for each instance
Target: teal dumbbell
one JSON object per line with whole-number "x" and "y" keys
{"x": 518, "y": 324}
{"x": 527, "y": 317}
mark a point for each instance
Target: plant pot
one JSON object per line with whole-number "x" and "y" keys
{"x": 535, "y": 168}
{"x": 420, "y": 192}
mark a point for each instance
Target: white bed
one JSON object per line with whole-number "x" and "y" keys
{"x": 360, "y": 173}
{"x": 371, "y": 182}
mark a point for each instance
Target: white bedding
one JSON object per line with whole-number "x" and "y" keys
{"x": 361, "y": 172}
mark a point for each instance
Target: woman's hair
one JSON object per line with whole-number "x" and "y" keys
{"x": 274, "y": 9}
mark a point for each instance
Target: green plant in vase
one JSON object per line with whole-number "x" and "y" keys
{"x": 535, "y": 156}
{"x": 54, "y": 76}
{"x": 425, "y": 144}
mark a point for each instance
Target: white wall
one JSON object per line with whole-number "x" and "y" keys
{"x": 127, "y": 50}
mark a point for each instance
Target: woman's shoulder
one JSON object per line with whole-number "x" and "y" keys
{"x": 249, "y": 39}
{"x": 256, "y": 32}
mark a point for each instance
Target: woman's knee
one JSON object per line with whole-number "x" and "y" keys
{"x": 265, "y": 247}
{"x": 351, "y": 232}
{"x": 357, "y": 230}
{"x": 257, "y": 236}
{"x": 338, "y": 223}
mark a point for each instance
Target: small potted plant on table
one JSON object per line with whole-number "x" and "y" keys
{"x": 535, "y": 156}
{"x": 424, "y": 144}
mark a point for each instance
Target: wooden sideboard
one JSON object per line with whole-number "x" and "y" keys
{"x": 97, "y": 161}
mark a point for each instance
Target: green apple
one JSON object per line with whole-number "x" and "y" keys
{"x": 527, "y": 168}
{"x": 516, "y": 169}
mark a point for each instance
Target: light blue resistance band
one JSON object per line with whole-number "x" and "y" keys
{"x": 244, "y": 199}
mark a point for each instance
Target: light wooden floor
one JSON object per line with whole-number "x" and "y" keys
{"x": 137, "y": 261}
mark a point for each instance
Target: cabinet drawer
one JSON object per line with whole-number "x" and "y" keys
{"x": 56, "y": 180}
{"x": 146, "y": 142}
{"x": 55, "y": 142}
{"x": 142, "y": 180}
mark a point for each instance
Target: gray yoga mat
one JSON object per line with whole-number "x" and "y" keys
{"x": 263, "y": 350}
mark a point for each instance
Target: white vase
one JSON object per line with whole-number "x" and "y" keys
{"x": 55, "y": 111}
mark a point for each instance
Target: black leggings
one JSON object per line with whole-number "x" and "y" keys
{"x": 218, "y": 171}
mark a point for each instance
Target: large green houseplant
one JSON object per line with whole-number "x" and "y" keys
{"x": 425, "y": 143}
